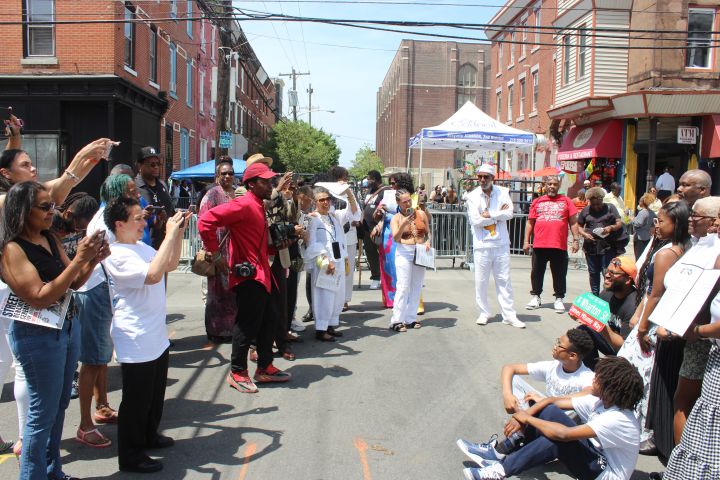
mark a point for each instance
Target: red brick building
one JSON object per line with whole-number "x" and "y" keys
{"x": 426, "y": 83}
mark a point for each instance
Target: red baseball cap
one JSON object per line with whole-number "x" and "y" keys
{"x": 257, "y": 170}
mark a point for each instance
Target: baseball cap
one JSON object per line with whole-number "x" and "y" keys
{"x": 259, "y": 158}
{"x": 627, "y": 265}
{"x": 257, "y": 170}
{"x": 147, "y": 152}
{"x": 486, "y": 168}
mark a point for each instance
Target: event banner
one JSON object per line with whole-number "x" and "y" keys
{"x": 591, "y": 311}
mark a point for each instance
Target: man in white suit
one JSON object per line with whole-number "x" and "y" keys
{"x": 489, "y": 209}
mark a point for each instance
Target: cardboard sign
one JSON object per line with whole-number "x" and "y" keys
{"x": 591, "y": 311}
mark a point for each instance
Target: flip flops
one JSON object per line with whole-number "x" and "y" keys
{"x": 81, "y": 437}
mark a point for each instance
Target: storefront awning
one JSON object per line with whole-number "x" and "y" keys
{"x": 603, "y": 139}
{"x": 711, "y": 136}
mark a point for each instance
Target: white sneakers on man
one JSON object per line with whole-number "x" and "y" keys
{"x": 296, "y": 326}
{"x": 533, "y": 303}
{"x": 513, "y": 322}
{"x": 559, "y": 305}
{"x": 482, "y": 319}
{"x": 375, "y": 285}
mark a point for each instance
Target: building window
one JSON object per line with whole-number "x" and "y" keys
{"x": 582, "y": 52}
{"x": 537, "y": 27}
{"x": 173, "y": 70}
{"x": 129, "y": 33}
{"x": 212, "y": 42}
{"x": 535, "y": 86}
{"x": 46, "y": 153}
{"x": 201, "y": 91}
{"x": 188, "y": 83}
{"x": 522, "y": 97}
{"x": 566, "y": 58}
{"x": 189, "y": 22}
{"x": 184, "y": 149}
{"x": 173, "y": 8}
{"x": 700, "y": 26}
{"x": 466, "y": 83}
{"x": 153, "y": 55}
{"x": 202, "y": 34}
{"x": 501, "y": 46}
{"x": 39, "y": 39}
{"x": 510, "y": 103}
{"x": 512, "y": 48}
{"x": 524, "y": 34}
{"x": 498, "y": 105}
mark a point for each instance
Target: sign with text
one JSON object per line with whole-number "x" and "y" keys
{"x": 687, "y": 135}
{"x": 591, "y": 311}
{"x": 225, "y": 139}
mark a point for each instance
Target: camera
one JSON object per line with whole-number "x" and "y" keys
{"x": 281, "y": 232}
{"x": 244, "y": 270}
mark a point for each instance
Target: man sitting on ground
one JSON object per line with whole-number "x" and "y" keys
{"x": 604, "y": 447}
{"x": 564, "y": 375}
{"x": 620, "y": 293}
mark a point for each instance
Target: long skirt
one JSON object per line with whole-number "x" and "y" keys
{"x": 697, "y": 456}
{"x": 220, "y": 307}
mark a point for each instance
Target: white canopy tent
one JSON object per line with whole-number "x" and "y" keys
{"x": 470, "y": 129}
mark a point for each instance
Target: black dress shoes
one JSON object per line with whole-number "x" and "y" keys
{"x": 161, "y": 441}
{"x": 147, "y": 465}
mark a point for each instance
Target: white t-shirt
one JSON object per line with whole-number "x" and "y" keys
{"x": 138, "y": 329}
{"x": 617, "y": 434}
{"x": 558, "y": 382}
{"x": 97, "y": 223}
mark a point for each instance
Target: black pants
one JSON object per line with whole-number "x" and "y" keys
{"x": 308, "y": 289}
{"x": 255, "y": 321}
{"x": 372, "y": 255}
{"x": 558, "y": 266}
{"x": 600, "y": 346}
{"x": 639, "y": 247}
{"x": 278, "y": 297}
{"x": 141, "y": 408}
{"x": 292, "y": 292}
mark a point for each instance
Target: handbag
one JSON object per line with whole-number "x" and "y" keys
{"x": 199, "y": 266}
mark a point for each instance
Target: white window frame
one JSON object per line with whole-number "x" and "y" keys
{"x": 501, "y": 46}
{"x": 189, "y": 22}
{"x": 498, "y": 104}
{"x": 184, "y": 148}
{"x": 172, "y": 60}
{"x": 189, "y": 83}
{"x": 582, "y": 53}
{"x": 202, "y": 34}
{"x": 203, "y": 150}
{"x": 535, "y": 76}
{"x": 212, "y": 42}
{"x": 173, "y": 8}
{"x": 512, "y": 49}
{"x": 201, "y": 91}
{"x": 128, "y": 9}
{"x": 566, "y": 58}
{"x": 523, "y": 93}
{"x": 706, "y": 43}
{"x": 153, "y": 56}
{"x": 510, "y": 94}
{"x": 538, "y": 19}
{"x": 524, "y": 36}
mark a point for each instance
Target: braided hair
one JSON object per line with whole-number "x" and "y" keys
{"x": 618, "y": 383}
{"x": 655, "y": 245}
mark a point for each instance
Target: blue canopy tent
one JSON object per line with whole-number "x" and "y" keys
{"x": 207, "y": 170}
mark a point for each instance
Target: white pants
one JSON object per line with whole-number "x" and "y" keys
{"x": 497, "y": 262}
{"x": 6, "y": 357}
{"x": 22, "y": 399}
{"x": 408, "y": 285}
{"x": 327, "y": 304}
{"x": 352, "y": 256}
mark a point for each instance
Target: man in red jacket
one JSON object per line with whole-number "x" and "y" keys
{"x": 250, "y": 276}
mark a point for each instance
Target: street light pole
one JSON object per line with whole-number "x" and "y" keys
{"x": 294, "y": 76}
{"x": 310, "y": 92}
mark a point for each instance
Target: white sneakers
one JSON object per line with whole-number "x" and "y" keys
{"x": 375, "y": 285}
{"x": 514, "y": 322}
{"x": 297, "y": 326}
{"x": 482, "y": 319}
{"x": 533, "y": 303}
{"x": 559, "y": 305}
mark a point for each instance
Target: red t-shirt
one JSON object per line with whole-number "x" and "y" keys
{"x": 551, "y": 216}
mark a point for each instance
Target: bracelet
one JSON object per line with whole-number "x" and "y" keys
{"x": 72, "y": 175}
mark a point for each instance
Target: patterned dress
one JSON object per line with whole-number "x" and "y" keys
{"x": 220, "y": 306}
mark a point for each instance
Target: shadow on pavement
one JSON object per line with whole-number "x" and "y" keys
{"x": 305, "y": 375}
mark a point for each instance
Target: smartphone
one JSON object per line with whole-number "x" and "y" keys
{"x": 101, "y": 236}
{"x": 155, "y": 208}
{"x": 410, "y": 212}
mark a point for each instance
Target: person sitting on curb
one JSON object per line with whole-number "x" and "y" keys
{"x": 604, "y": 446}
{"x": 564, "y": 375}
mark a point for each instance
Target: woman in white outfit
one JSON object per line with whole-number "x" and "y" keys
{"x": 409, "y": 228}
{"x": 326, "y": 256}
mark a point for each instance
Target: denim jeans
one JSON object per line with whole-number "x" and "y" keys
{"x": 49, "y": 358}
{"x": 596, "y": 264}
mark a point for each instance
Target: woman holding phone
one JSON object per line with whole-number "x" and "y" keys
{"x": 409, "y": 228}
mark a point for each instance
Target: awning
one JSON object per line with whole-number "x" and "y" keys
{"x": 711, "y": 136}
{"x": 602, "y": 139}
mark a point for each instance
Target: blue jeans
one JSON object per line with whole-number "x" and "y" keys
{"x": 580, "y": 456}
{"x": 49, "y": 358}
{"x": 596, "y": 264}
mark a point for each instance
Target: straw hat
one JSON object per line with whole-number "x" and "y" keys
{"x": 259, "y": 158}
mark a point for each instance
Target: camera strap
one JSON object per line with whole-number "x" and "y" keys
{"x": 331, "y": 226}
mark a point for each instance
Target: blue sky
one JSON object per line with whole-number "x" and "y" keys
{"x": 347, "y": 65}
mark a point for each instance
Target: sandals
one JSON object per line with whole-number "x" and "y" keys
{"x": 109, "y": 416}
{"x": 102, "y": 440}
{"x": 333, "y": 332}
{"x": 398, "y": 327}
{"x": 6, "y": 447}
{"x": 414, "y": 325}
{"x": 324, "y": 336}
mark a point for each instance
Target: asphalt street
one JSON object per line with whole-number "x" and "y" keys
{"x": 376, "y": 405}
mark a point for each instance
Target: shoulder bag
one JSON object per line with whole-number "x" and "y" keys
{"x": 199, "y": 266}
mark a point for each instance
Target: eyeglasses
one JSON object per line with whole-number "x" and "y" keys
{"x": 227, "y": 174}
{"x": 696, "y": 216}
{"x": 45, "y": 207}
{"x": 559, "y": 346}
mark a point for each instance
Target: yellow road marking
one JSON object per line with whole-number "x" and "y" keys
{"x": 362, "y": 447}
{"x": 249, "y": 452}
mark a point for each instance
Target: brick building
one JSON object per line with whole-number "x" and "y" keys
{"x": 426, "y": 83}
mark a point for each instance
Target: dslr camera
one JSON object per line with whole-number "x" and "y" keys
{"x": 281, "y": 232}
{"x": 244, "y": 270}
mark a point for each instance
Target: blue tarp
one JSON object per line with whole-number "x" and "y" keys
{"x": 207, "y": 170}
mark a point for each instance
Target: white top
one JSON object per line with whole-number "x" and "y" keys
{"x": 665, "y": 182}
{"x": 323, "y": 231}
{"x": 490, "y": 232}
{"x": 97, "y": 223}
{"x": 138, "y": 328}
{"x": 558, "y": 382}
{"x": 617, "y": 434}
{"x": 701, "y": 256}
{"x": 715, "y": 310}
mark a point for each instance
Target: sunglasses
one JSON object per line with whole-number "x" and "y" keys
{"x": 45, "y": 207}
{"x": 325, "y": 199}
{"x": 484, "y": 177}
{"x": 227, "y": 174}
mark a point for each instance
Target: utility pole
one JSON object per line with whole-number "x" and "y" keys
{"x": 225, "y": 50}
{"x": 294, "y": 76}
{"x": 310, "y": 92}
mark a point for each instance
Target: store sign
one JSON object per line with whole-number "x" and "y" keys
{"x": 583, "y": 137}
{"x": 687, "y": 135}
{"x": 572, "y": 166}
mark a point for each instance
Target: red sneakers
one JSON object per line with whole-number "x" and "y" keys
{"x": 242, "y": 382}
{"x": 271, "y": 374}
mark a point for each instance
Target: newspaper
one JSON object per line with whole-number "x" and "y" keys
{"x": 424, "y": 257}
{"x": 327, "y": 281}
{"x": 13, "y": 308}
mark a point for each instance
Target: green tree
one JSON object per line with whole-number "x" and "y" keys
{"x": 365, "y": 160}
{"x": 298, "y": 147}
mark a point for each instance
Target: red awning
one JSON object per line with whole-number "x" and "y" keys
{"x": 711, "y": 136}
{"x": 603, "y": 139}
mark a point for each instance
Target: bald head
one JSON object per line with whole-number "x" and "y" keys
{"x": 693, "y": 185}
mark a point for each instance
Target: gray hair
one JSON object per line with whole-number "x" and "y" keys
{"x": 318, "y": 190}
{"x": 122, "y": 169}
{"x": 594, "y": 192}
{"x": 709, "y": 205}
{"x": 550, "y": 178}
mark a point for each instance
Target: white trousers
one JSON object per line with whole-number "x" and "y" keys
{"x": 327, "y": 304}
{"x": 352, "y": 257}
{"x": 408, "y": 285}
{"x": 22, "y": 398}
{"x": 6, "y": 357}
{"x": 495, "y": 261}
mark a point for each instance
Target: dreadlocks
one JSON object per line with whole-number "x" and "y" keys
{"x": 618, "y": 382}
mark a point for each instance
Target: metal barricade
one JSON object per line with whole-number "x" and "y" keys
{"x": 191, "y": 243}
{"x": 450, "y": 233}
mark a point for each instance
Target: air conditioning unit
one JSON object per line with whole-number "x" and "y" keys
{"x": 176, "y": 126}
